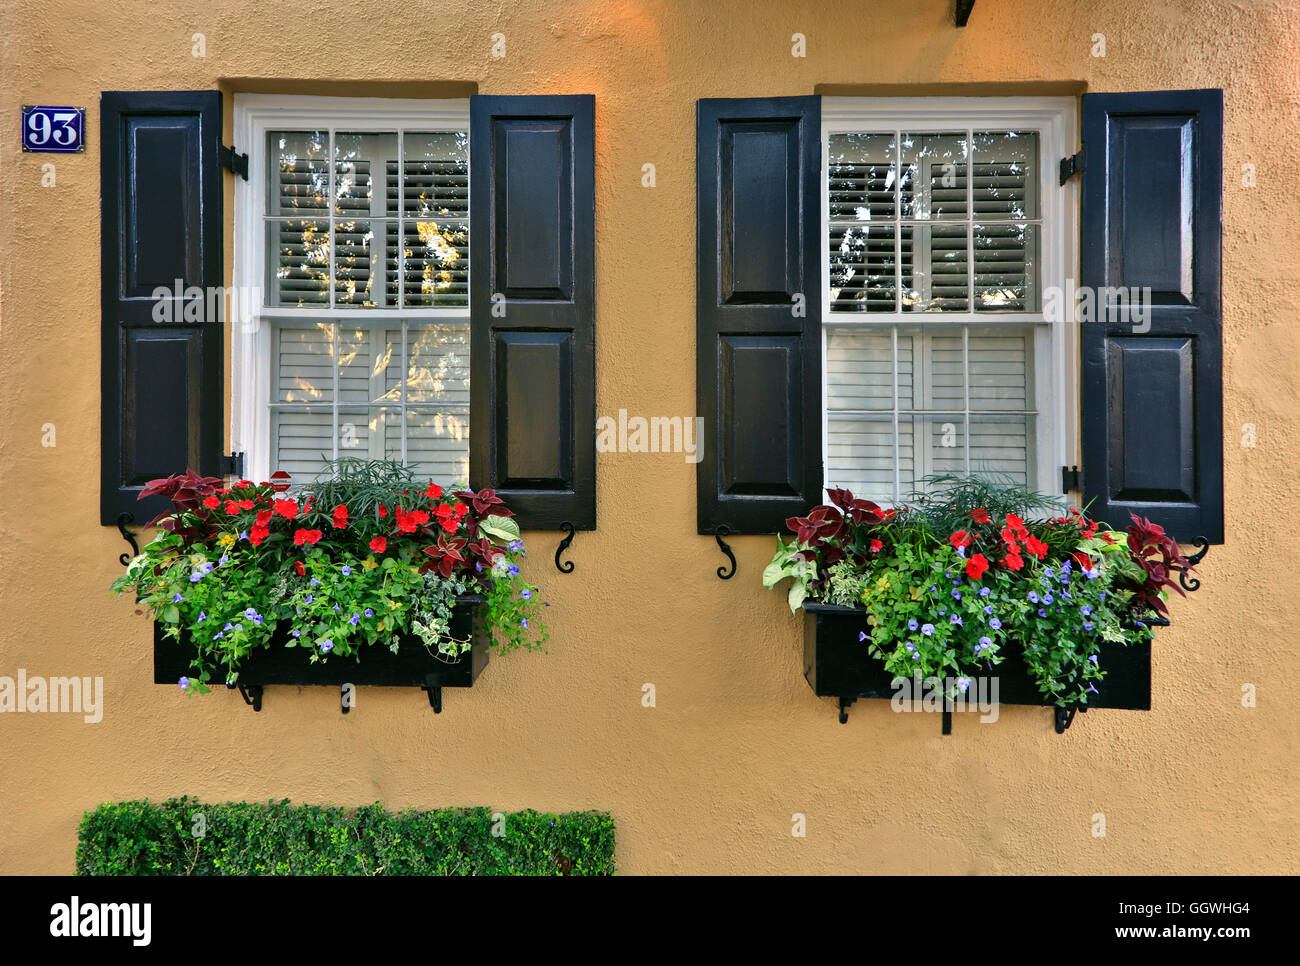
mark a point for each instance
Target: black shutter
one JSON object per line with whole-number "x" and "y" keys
{"x": 532, "y": 258}
{"x": 161, "y": 220}
{"x": 1153, "y": 400}
{"x": 758, "y": 348}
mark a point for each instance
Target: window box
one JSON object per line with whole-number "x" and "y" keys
{"x": 412, "y": 666}
{"x": 838, "y": 665}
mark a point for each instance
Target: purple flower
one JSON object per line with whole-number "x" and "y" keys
{"x": 297, "y": 633}
{"x": 955, "y": 619}
{"x": 1048, "y": 599}
{"x": 1041, "y": 612}
{"x": 984, "y": 642}
{"x": 309, "y": 598}
{"x": 513, "y": 571}
{"x": 1085, "y": 610}
{"x": 184, "y": 683}
{"x": 195, "y": 577}
{"x": 1093, "y": 690}
{"x": 314, "y": 582}
{"x": 203, "y": 615}
{"x": 961, "y": 551}
{"x": 927, "y": 629}
{"x": 912, "y": 624}
{"x": 345, "y": 570}
{"x": 369, "y": 612}
{"x": 514, "y": 545}
{"x": 250, "y": 613}
{"x": 525, "y": 593}
{"x": 988, "y": 608}
{"x": 962, "y": 684}
{"x": 326, "y": 646}
{"x": 1033, "y": 597}
{"x": 206, "y": 568}
{"x": 225, "y": 559}
{"x": 984, "y": 591}
{"x": 354, "y": 619}
{"x": 178, "y": 598}
{"x": 910, "y": 646}
{"x": 943, "y": 612}
{"x": 995, "y": 624}
{"x": 523, "y": 622}
{"x": 862, "y": 636}
{"x": 1088, "y": 625}
{"x": 956, "y": 595}
{"x": 1093, "y": 658}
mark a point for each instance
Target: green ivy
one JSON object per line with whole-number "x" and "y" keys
{"x": 183, "y": 836}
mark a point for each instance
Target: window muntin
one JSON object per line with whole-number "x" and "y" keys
{"x": 937, "y": 357}
{"x": 361, "y": 346}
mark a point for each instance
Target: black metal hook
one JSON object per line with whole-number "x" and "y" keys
{"x": 719, "y": 532}
{"x": 1191, "y": 583}
{"x": 122, "y": 520}
{"x": 252, "y": 695}
{"x": 568, "y": 565}
{"x": 1064, "y": 718}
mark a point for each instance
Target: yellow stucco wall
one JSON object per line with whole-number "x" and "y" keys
{"x": 708, "y": 780}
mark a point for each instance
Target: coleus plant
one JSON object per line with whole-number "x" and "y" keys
{"x": 363, "y": 557}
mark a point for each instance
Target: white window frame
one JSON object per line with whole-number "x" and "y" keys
{"x": 1055, "y": 119}
{"x": 250, "y": 343}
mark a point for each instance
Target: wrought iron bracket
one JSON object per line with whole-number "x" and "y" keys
{"x": 1063, "y": 718}
{"x": 232, "y": 159}
{"x": 435, "y": 698}
{"x": 719, "y": 532}
{"x": 122, "y": 520}
{"x": 962, "y": 12}
{"x": 1191, "y": 583}
{"x": 844, "y": 709}
{"x": 567, "y": 566}
{"x": 1071, "y": 166}
{"x": 251, "y": 693}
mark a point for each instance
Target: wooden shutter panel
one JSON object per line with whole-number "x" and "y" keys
{"x": 1153, "y": 400}
{"x": 532, "y": 260}
{"x": 162, "y": 386}
{"x": 758, "y": 348}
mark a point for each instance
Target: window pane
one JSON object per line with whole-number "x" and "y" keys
{"x": 298, "y": 174}
{"x": 934, "y": 175}
{"x": 304, "y": 357}
{"x": 364, "y": 356}
{"x": 437, "y": 445}
{"x": 862, "y": 271}
{"x": 1006, "y": 175}
{"x": 1006, "y": 268}
{"x": 437, "y": 262}
{"x": 298, "y": 263}
{"x": 301, "y": 441}
{"x": 859, "y": 369}
{"x": 863, "y": 169}
{"x": 356, "y": 261}
{"x": 435, "y": 174}
{"x": 860, "y": 455}
{"x": 361, "y": 163}
{"x": 438, "y": 364}
{"x": 939, "y": 279}
{"x": 1004, "y": 446}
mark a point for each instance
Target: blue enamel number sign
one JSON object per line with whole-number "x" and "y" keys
{"x": 58, "y": 130}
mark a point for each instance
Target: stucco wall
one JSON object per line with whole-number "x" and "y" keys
{"x": 708, "y": 780}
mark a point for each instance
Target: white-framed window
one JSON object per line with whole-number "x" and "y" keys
{"x": 352, "y": 230}
{"x": 943, "y": 226}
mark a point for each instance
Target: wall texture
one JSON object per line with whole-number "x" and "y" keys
{"x": 708, "y": 780}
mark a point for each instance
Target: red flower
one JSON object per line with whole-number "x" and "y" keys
{"x": 1013, "y": 561}
{"x": 379, "y": 544}
{"x": 980, "y": 516}
{"x": 245, "y": 482}
{"x": 959, "y": 539}
{"x": 306, "y": 536}
{"x": 444, "y": 511}
{"x": 976, "y": 566}
{"x": 1035, "y": 546}
{"x": 1016, "y": 524}
{"x": 460, "y": 510}
{"x": 287, "y": 508}
{"x": 212, "y": 502}
{"x": 383, "y": 510}
{"x": 1083, "y": 560}
{"x": 258, "y": 534}
{"x": 450, "y": 525}
{"x": 246, "y": 504}
{"x": 263, "y": 518}
{"x": 410, "y": 522}
{"x": 434, "y": 491}
{"x": 340, "y": 517}
{"x": 876, "y": 546}
{"x": 232, "y": 508}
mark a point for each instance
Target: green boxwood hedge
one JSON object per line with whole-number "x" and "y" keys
{"x": 278, "y": 838}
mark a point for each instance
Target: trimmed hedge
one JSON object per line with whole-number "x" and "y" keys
{"x": 277, "y": 838}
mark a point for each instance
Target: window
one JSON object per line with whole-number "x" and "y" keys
{"x": 944, "y": 227}
{"x": 354, "y": 229}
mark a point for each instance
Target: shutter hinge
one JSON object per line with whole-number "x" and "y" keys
{"x": 1071, "y": 166}
{"x": 229, "y": 158}
{"x": 1071, "y": 479}
{"x": 232, "y": 465}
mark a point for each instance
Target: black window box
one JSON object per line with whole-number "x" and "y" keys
{"x": 412, "y": 666}
{"x": 838, "y": 665}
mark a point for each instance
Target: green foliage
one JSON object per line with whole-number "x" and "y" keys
{"x": 277, "y": 838}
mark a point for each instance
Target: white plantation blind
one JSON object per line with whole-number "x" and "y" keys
{"x": 367, "y": 274}
{"x": 944, "y": 223}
